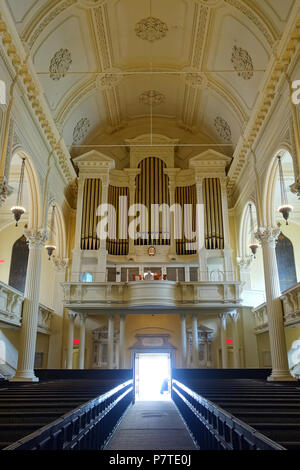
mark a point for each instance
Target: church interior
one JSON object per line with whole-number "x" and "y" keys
{"x": 150, "y": 224}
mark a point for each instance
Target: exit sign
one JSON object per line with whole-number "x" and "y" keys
{"x": 229, "y": 341}
{"x": 75, "y": 341}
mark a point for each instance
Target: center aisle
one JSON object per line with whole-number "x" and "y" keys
{"x": 152, "y": 425}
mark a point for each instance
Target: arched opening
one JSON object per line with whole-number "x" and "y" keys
{"x": 285, "y": 263}
{"x": 18, "y": 265}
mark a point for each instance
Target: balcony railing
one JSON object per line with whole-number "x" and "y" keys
{"x": 11, "y": 306}
{"x": 151, "y": 293}
{"x": 11, "y": 302}
{"x": 290, "y": 300}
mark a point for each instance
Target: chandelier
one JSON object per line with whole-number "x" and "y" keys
{"x": 18, "y": 210}
{"x": 285, "y": 209}
{"x": 50, "y": 247}
{"x": 253, "y": 245}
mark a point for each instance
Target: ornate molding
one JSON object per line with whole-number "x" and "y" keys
{"x": 223, "y": 129}
{"x": 60, "y": 264}
{"x": 81, "y": 130}
{"x": 151, "y": 29}
{"x": 60, "y": 64}
{"x": 108, "y": 79}
{"x": 242, "y": 62}
{"x": 152, "y": 98}
{"x": 89, "y": 4}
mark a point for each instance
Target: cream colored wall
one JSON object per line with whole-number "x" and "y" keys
{"x": 257, "y": 272}
{"x": 42, "y": 346}
{"x": 10, "y": 338}
{"x": 291, "y": 334}
{"x": 47, "y": 280}
{"x": 263, "y": 345}
{"x": 247, "y": 336}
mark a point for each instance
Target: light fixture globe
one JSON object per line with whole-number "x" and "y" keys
{"x": 50, "y": 250}
{"x": 18, "y": 211}
{"x": 285, "y": 211}
{"x": 253, "y": 247}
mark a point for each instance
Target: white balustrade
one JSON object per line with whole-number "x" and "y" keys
{"x": 11, "y": 302}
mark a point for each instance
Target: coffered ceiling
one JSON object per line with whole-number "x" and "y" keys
{"x": 114, "y": 69}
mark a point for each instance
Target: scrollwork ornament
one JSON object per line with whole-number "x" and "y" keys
{"x": 151, "y": 29}
{"x": 89, "y": 4}
{"x": 268, "y": 236}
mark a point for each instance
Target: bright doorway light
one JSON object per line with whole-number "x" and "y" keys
{"x": 152, "y": 376}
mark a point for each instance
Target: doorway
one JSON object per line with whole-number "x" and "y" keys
{"x": 152, "y": 376}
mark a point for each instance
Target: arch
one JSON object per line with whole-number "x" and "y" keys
{"x": 268, "y": 202}
{"x": 285, "y": 262}
{"x": 245, "y": 229}
{"x": 18, "y": 264}
{"x": 34, "y": 212}
{"x": 59, "y": 230}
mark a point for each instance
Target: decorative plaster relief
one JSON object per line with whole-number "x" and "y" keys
{"x": 81, "y": 130}
{"x": 152, "y": 97}
{"x": 60, "y": 64}
{"x": 108, "y": 79}
{"x": 223, "y": 128}
{"x": 151, "y": 29}
{"x": 90, "y": 3}
{"x": 242, "y": 62}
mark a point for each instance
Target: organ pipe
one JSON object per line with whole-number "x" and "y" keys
{"x": 187, "y": 218}
{"x": 213, "y": 221}
{"x": 91, "y": 201}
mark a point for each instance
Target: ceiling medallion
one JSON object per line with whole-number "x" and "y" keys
{"x": 151, "y": 29}
{"x": 81, "y": 130}
{"x": 242, "y": 62}
{"x": 223, "y": 128}
{"x": 60, "y": 64}
{"x": 108, "y": 79}
{"x": 90, "y": 3}
{"x": 152, "y": 97}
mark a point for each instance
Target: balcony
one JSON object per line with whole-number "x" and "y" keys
{"x": 290, "y": 300}
{"x": 95, "y": 296}
{"x": 11, "y": 306}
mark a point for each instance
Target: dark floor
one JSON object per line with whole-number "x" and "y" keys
{"x": 154, "y": 425}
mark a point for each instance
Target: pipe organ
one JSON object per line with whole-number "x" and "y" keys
{"x": 151, "y": 180}
{"x": 185, "y": 219}
{"x": 117, "y": 241}
{"x": 213, "y": 221}
{"x": 152, "y": 188}
{"x": 91, "y": 201}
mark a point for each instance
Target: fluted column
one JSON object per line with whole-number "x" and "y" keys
{"x": 223, "y": 321}
{"x": 25, "y": 371}
{"x": 195, "y": 352}
{"x": 183, "y": 341}
{"x": 83, "y": 317}
{"x": 236, "y": 343}
{"x": 280, "y": 369}
{"x": 110, "y": 339}
{"x": 71, "y": 317}
{"x": 122, "y": 342}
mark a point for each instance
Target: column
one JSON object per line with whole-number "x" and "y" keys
{"x": 122, "y": 349}
{"x": 55, "y": 353}
{"x": 280, "y": 369}
{"x": 187, "y": 274}
{"x": 223, "y": 319}
{"x": 110, "y": 338}
{"x": 235, "y": 338}
{"x": 228, "y": 264}
{"x": 71, "y": 317}
{"x": 25, "y": 371}
{"x": 82, "y": 317}
{"x": 183, "y": 341}
{"x": 76, "y": 262}
{"x": 195, "y": 352}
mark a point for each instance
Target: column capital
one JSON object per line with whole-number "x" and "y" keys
{"x": 83, "y": 316}
{"x": 235, "y": 315}
{"x": 72, "y": 315}
{"x": 223, "y": 183}
{"x": 267, "y": 236}
{"x": 3, "y": 190}
{"x": 36, "y": 237}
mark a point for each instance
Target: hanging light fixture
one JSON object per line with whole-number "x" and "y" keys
{"x": 51, "y": 247}
{"x": 253, "y": 245}
{"x": 285, "y": 209}
{"x": 18, "y": 210}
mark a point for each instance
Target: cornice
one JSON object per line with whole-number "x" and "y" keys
{"x": 31, "y": 91}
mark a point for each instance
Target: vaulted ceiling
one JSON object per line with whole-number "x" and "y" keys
{"x": 114, "y": 69}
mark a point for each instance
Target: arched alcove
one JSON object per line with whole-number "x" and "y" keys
{"x": 285, "y": 262}
{"x": 18, "y": 265}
